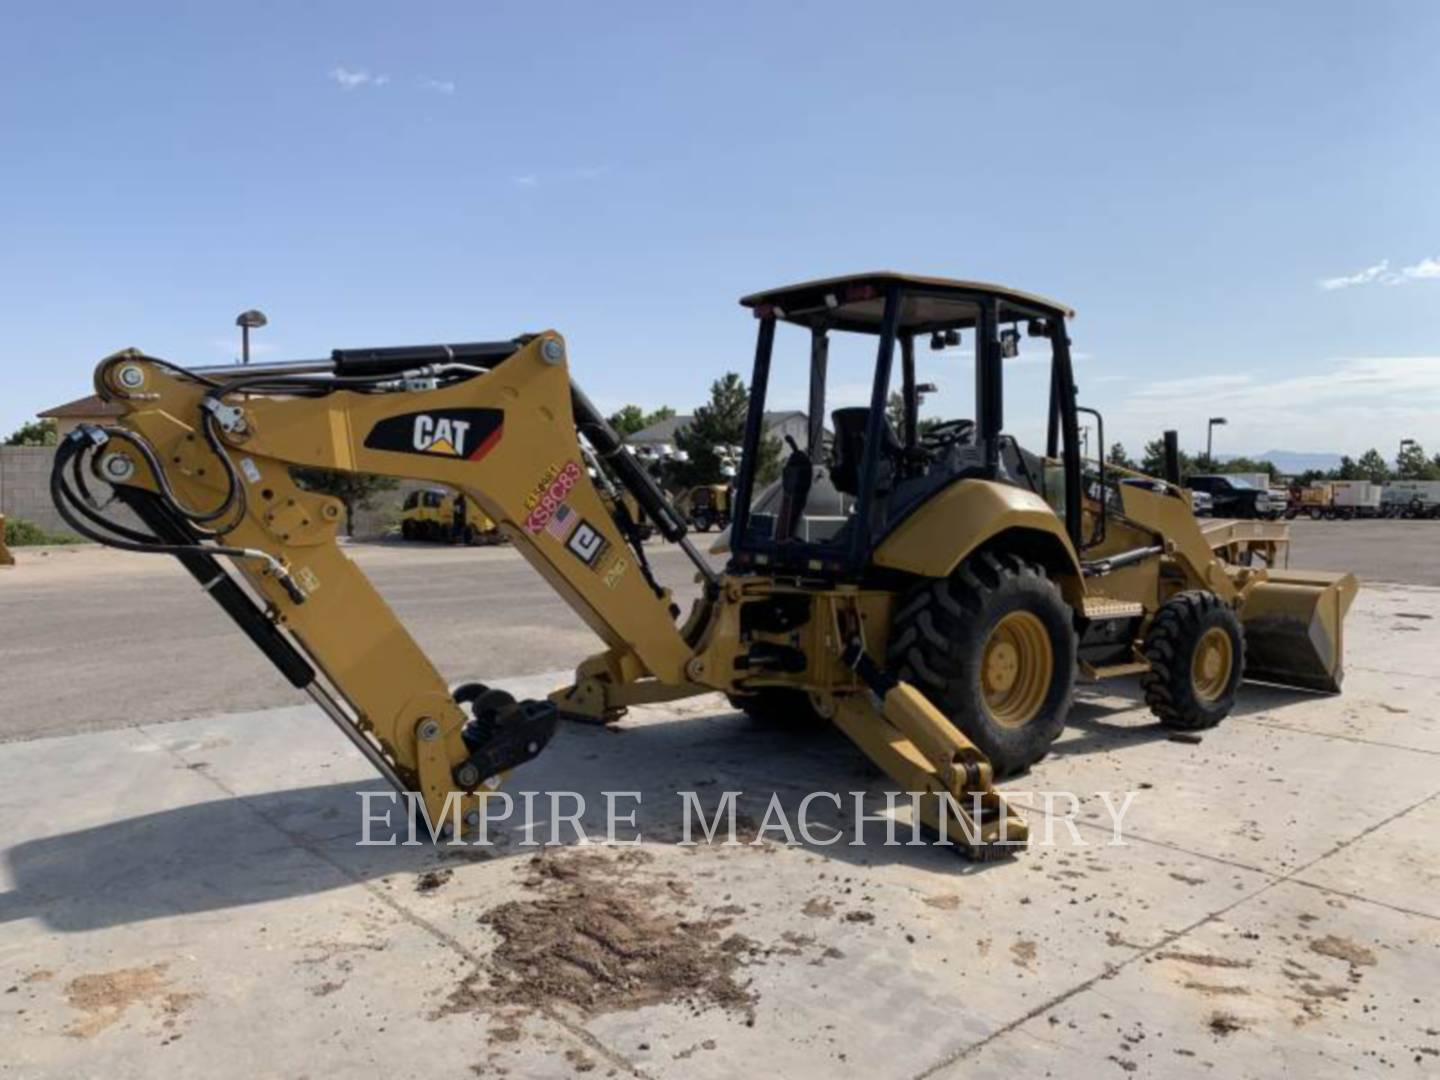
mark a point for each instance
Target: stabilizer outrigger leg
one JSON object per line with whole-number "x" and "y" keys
{"x": 922, "y": 750}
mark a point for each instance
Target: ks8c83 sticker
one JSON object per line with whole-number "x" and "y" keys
{"x": 549, "y": 495}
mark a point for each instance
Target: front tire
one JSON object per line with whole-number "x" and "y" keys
{"x": 1196, "y": 649}
{"x": 993, "y": 648}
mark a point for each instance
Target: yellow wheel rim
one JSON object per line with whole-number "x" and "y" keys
{"x": 1212, "y": 664}
{"x": 1016, "y": 669}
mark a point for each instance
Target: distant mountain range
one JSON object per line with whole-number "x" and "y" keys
{"x": 1290, "y": 462}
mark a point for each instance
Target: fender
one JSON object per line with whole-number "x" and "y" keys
{"x": 958, "y": 521}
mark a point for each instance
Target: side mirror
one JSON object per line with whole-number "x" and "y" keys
{"x": 1037, "y": 328}
{"x": 1010, "y": 344}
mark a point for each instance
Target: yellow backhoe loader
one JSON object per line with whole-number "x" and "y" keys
{"x": 941, "y": 622}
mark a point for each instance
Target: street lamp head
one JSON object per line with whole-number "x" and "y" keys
{"x": 251, "y": 320}
{"x": 1218, "y": 420}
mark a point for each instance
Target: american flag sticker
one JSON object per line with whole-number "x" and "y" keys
{"x": 562, "y": 522}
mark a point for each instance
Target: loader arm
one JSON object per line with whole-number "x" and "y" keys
{"x": 504, "y": 434}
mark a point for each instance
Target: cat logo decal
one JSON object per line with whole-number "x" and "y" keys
{"x": 468, "y": 434}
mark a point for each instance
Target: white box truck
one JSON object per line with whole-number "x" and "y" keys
{"x": 1355, "y": 498}
{"x": 1411, "y": 498}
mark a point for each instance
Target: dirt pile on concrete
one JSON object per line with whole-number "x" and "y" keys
{"x": 103, "y": 998}
{"x": 602, "y": 936}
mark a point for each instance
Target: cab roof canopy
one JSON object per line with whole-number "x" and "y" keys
{"x": 857, "y": 302}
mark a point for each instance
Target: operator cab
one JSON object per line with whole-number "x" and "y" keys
{"x": 878, "y": 460}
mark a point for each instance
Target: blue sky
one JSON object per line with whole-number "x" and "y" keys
{"x": 1242, "y": 202}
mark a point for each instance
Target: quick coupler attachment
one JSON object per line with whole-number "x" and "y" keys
{"x": 502, "y": 734}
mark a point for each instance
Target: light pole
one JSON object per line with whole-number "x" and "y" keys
{"x": 1399, "y": 458}
{"x": 247, "y": 321}
{"x": 1210, "y": 439}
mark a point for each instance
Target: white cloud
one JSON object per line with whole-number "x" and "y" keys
{"x": 440, "y": 86}
{"x": 353, "y": 80}
{"x": 1381, "y": 273}
{"x": 528, "y": 180}
{"x": 1345, "y": 406}
{"x": 1425, "y": 268}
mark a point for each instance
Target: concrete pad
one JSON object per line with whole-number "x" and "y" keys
{"x": 1247, "y": 793}
{"x": 1396, "y": 864}
{"x": 1286, "y": 983}
{"x": 1379, "y": 707}
{"x": 1393, "y": 629}
{"x": 190, "y": 897}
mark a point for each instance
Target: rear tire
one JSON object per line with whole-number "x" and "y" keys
{"x": 1196, "y": 649}
{"x": 993, "y": 648}
{"x": 407, "y": 530}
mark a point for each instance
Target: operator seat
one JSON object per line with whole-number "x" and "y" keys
{"x": 849, "y": 453}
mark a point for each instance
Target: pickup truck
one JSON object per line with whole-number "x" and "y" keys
{"x": 1233, "y": 496}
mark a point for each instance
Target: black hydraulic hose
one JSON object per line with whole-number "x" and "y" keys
{"x": 610, "y": 448}
{"x": 236, "y": 492}
{"x": 67, "y": 504}
{"x": 201, "y": 564}
{"x": 85, "y": 502}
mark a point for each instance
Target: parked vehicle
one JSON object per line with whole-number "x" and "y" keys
{"x": 1313, "y": 502}
{"x": 1201, "y": 505}
{"x": 708, "y": 507}
{"x": 1354, "y": 499}
{"x": 1411, "y": 499}
{"x": 446, "y": 516}
{"x": 1233, "y": 496}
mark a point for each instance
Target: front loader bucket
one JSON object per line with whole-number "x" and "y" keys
{"x": 1294, "y": 628}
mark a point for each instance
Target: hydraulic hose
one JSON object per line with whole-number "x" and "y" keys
{"x": 74, "y": 512}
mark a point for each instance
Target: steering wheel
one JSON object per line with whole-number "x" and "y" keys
{"x": 948, "y": 433}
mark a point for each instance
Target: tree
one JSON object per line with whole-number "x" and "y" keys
{"x": 719, "y": 423}
{"x": 895, "y": 410}
{"x": 1246, "y": 465}
{"x": 1412, "y": 464}
{"x": 1348, "y": 470}
{"x": 34, "y": 433}
{"x": 632, "y": 418}
{"x": 355, "y": 490}
{"x": 895, "y": 413}
{"x": 1118, "y": 457}
{"x": 1152, "y": 461}
{"x": 1372, "y": 467}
